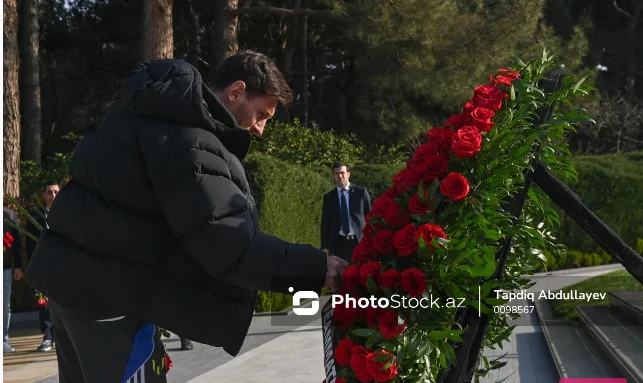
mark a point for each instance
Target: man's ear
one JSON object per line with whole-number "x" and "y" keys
{"x": 236, "y": 90}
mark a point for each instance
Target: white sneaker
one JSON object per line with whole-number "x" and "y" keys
{"x": 6, "y": 347}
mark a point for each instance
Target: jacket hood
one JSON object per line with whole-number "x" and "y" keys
{"x": 173, "y": 90}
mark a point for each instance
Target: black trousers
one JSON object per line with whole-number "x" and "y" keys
{"x": 116, "y": 351}
{"x": 46, "y": 327}
{"x": 345, "y": 247}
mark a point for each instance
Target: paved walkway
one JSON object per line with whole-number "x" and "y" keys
{"x": 280, "y": 351}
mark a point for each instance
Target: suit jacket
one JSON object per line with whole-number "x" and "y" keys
{"x": 39, "y": 215}
{"x": 331, "y": 222}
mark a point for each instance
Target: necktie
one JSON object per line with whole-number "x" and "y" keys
{"x": 345, "y": 225}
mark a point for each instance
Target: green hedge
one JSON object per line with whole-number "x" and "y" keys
{"x": 376, "y": 178}
{"x": 610, "y": 186}
{"x": 289, "y": 200}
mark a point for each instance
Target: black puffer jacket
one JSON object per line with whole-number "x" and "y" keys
{"x": 158, "y": 221}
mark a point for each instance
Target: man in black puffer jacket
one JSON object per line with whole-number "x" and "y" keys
{"x": 158, "y": 225}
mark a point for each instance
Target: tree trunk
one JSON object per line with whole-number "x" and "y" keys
{"x": 11, "y": 136}
{"x": 194, "y": 50}
{"x": 224, "y": 33}
{"x": 30, "y": 83}
{"x": 303, "y": 89}
{"x": 158, "y": 32}
{"x": 291, "y": 41}
{"x": 632, "y": 18}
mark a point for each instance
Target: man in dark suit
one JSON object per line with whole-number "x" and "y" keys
{"x": 49, "y": 192}
{"x": 343, "y": 214}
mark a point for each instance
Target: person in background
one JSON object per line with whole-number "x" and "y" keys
{"x": 344, "y": 213}
{"x": 12, "y": 253}
{"x": 49, "y": 192}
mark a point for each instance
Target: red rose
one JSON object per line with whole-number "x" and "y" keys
{"x": 381, "y": 205}
{"x": 434, "y": 167}
{"x": 428, "y": 148}
{"x": 363, "y": 250}
{"x": 428, "y": 231}
{"x": 487, "y": 96}
{"x": 416, "y": 206}
{"x": 446, "y": 138}
{"x": 434, "y": 133}
{"x": 351, "y": 277}
{"x": 442, "y": 136}
{"x": 358, "y": 364}
{"x": 413, "y": 282}
{"x": 371, "y": 229}
{"x": 481, "y": 119}
{"x": 405, "y": 241}
{"x": 7, "y": 240}
{"x": 467, "y": 108}
{"x": 42, "y": 302}
{"x": 500, "y": 80}
{"x": 345, "y": 315}
{"x": 168, "y": 362}
{"x": 371, "y": 268}
{"x": 390, "y": 193}
{"x": 457, "y": 121}
{"x": 414, "y": 176}
{"x": 389, "y": 324}
{"x": 383, "y": 242}
{"x": 344, "y": 351}
{"x": 373, "y": 315}
{"x": 466, "y": 142}
{"x": 395, "y": 217}
{"x": 389, "y": 278}
{"x": 455, "y": 186}
{"x": 508, "y": 72}
{"x": 424, "y": 150}
{"x": 376, "y": 369}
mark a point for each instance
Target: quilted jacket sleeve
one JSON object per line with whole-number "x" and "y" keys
{"x": 210, "y": 215}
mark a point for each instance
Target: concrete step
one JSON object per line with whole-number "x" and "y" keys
{"x": 630, "y": 303}
{"x": 574, "y": 353}
{"x": 620, "y": 339}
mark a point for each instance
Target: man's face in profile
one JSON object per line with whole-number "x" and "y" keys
{"x": 341, "y": 176}
{"x": 50, "y": 193}
{"x": 251, "y": 111}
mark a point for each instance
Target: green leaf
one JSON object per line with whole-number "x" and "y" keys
{"x": 492, "y": 234}
{"x": 388, "y": 346}
{"x": 433, "y": 189}
{"x": 513, "y": 93}
{"x": 421, "y": 192}
{"x": 426, "y": 348}
{"x": 579, "y": 83}
{"x": 346, "y": 373}
{"x": 371, "y": 286}
{"x": 383, "y": 357}
{"x": 373, "y": 339}
{"x": 363, "y": 332}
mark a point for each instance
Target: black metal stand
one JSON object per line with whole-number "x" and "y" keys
{"x": 569, "y": 201}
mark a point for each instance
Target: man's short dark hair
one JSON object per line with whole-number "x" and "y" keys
{"x": 258, "y": 71}
{"x": 339, "y": 164}
{"x": 49, "y": 183}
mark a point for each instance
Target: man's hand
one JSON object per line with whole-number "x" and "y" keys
{"x": 336, "y": 267}
{"x": 17, "y": 274}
